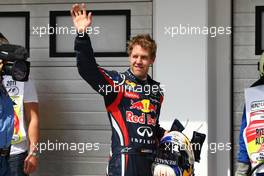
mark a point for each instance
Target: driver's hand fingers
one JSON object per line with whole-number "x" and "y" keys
{"x": 84, "y": 9}
{"x": 76, "y": 9}
{"x": 72, "y": 13}
{"x": 73, "y": 10}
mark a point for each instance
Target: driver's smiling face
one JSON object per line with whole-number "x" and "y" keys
{"x": 140, "y": 61}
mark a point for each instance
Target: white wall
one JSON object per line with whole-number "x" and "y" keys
{"x": 181, "y": 66}
{"x": 196, "y": 72}
{"x": 219, "y": 87}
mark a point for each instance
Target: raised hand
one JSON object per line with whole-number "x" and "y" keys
{"x": 80, "y": 18}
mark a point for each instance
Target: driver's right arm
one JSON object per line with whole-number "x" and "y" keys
{"x": 100, "y": 79}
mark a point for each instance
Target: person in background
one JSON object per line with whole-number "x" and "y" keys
{"x": 23, "y": 156}
{"x": 6, "y": 123}
{"x": 251, "y": 139}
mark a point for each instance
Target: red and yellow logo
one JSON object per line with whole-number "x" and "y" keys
{"x": 144, "y": 106}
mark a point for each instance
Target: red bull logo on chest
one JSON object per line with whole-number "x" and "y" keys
{"x": 144, "y": 106}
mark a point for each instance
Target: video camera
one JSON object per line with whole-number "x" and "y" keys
{"x": 15, "y": 64}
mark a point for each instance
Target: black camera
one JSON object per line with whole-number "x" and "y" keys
{"x": 15, "y": 64}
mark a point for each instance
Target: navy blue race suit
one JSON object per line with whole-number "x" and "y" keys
{"x": 133, "y": 108}
{"x": 6, "y": 130}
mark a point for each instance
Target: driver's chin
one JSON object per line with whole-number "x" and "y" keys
{"x": 140, "y": 74}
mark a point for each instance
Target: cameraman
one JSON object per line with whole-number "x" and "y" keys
{"x": 23, "y": 156}
{"x": 6, "y": 124}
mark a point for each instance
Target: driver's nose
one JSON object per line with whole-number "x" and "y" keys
{"x": 139, "y": 60}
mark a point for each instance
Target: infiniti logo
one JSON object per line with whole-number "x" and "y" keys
{"x": 145, "y": 130}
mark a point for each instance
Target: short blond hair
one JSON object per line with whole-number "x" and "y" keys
{"x": 146, "y": 42}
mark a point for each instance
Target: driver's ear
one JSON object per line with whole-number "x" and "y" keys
{"x": 152, "y": 60}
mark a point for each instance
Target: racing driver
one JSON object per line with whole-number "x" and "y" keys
{"x": 133, "y": 104}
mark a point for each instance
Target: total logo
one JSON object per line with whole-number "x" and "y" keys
{"x": 130, "y": 117}
{"x": 143, "y": 105}
{"x": 145, "y": 131}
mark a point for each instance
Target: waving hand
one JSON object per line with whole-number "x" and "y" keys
{"x": 80, "y": 18}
